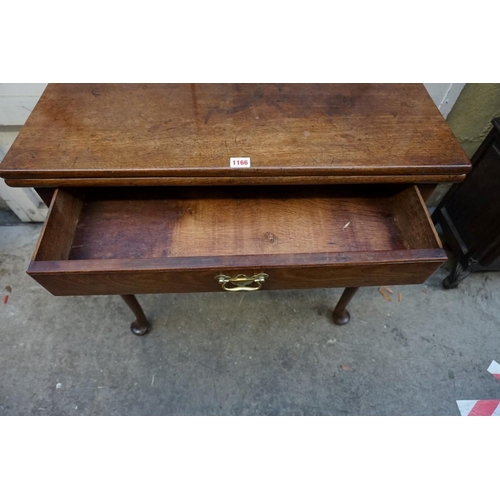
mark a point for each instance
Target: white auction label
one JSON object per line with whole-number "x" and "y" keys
{"x": 239, "y": 162}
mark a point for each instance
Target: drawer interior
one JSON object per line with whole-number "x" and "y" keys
{"x": 179, "y": 239}
{"x": 189, "y": 222}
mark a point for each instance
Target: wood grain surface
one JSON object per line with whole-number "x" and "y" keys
{"x": 85, "y": 278}
{"x": 148, "y": 240}
{"x": 205, "y": 222}
{"x": 236, "y": 181}
{"x": 59, "y": 229}
{"x": 112, "y": 131}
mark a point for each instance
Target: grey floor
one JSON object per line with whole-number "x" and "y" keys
{"x": 264, "y": 353}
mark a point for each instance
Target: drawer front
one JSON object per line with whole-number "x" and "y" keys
{"x": 130, "y": 242}
{"x": 92, "y": 282}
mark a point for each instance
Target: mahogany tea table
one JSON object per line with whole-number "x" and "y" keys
{"x": 233, "y": 187}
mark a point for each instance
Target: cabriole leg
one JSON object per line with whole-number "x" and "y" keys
{"x": 340, "y": 314}
{"x": 140, "y": 326}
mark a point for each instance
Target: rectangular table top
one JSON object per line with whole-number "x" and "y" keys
{"x": 82, "y": 134}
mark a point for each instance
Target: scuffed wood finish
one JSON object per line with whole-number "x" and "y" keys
{"x": 206, "y": 222}
{"x": 128, "y": 241}
{"x": 177, "y": 133}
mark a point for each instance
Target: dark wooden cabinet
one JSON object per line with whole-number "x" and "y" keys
{"x": 469, "y": 214}
{"x": 145, "y": 197}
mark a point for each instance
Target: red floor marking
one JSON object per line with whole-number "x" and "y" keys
{"x": 484, "y": 408}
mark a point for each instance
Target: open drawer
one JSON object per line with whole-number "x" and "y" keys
{"x": 199, "y": 239}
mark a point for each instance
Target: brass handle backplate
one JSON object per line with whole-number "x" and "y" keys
{"x": 242, "y": 283}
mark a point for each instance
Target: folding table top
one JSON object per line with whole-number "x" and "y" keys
{"x": 154, "y": 134}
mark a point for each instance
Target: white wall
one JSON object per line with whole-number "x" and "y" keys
{"x": 17, "y": 101}
{"x": 444, "y": 95}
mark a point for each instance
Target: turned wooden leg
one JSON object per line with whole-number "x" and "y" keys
{"x": 140, "y": 326}
{"x": 340, "y": 314}
{"x": 458, "y": 274}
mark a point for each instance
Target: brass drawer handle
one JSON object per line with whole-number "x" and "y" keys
{"x": 241, "y": 283}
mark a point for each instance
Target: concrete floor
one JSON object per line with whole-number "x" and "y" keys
{"x": 265, "y": 353}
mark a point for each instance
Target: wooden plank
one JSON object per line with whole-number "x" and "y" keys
{"x": 414, "y": 219}
{"x": 198, "y": 222}
{"x": 58, "y": 231}
{"x": 236, "y": 221}
{"x": 112, "y": 131}
{"x": 428, "y": 218}
{"x": 12, "y": 202}
{"x": 163, "y": 281}
{"x": 180, "y": 264}
{"x": 23, "y": 202}
{"x": 235, "y": 181}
